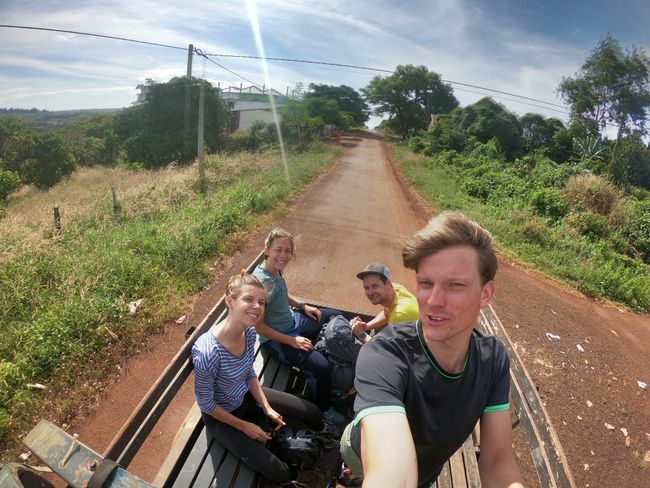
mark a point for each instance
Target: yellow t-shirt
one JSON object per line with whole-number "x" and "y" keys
{"x": 404, "y": 307}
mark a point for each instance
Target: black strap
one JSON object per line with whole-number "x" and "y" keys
{"x": 103, "y": 472}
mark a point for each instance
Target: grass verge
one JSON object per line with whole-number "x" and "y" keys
{"x": 554, "y": 249}
{"x": 64, "y": 301}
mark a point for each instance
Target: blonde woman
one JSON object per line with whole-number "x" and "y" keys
{"x": 237, "y": 410}
{"x": 290, "y": 327}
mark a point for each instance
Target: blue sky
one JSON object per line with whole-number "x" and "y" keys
{"x": 523, "y": 47}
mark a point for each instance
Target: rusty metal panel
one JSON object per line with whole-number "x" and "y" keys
{"x": 72, "y": 460}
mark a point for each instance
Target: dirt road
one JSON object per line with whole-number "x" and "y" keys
{"x": 360, "y": 212}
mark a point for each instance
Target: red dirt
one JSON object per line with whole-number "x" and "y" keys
{"x": 362, "y": 211}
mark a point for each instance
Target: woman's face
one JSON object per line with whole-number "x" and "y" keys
{"x": 248, "y": 306}
{"x": 278, "y": 254}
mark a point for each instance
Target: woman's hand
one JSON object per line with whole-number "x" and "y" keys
{"x": 275, "y": 417}
{"x": 255, "y": 432}
{"x": 302, "y": 343}
{"x": 312, "y": 312}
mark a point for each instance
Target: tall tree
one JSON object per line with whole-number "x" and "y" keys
{"x": 612, "y": 87}
{"x": 153, "y": 131}
{"x": 347, "y": 98}
{"x": 487, "y": 119}
{"x": 538, "y": 131}
{"x": 410, "y": 96}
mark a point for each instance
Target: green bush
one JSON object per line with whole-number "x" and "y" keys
{"x": 9, "y": 182}
{"x": 588, "y": 224}
{"x": 636, "y": 229}
{"x": 550, "y": 202}
{"x": 52, "y": 160}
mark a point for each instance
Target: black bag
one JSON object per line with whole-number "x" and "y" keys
{"x": 341, "y": 348}
{"x": 297, "y": 447}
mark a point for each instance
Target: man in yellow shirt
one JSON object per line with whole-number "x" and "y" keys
{"x": 399, "y": 305}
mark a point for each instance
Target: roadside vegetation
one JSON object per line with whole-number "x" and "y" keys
{"x": 566, "y": 200}
{"x": 75, "y": 302}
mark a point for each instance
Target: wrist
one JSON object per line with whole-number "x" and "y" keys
{"x": 301, "y": 306}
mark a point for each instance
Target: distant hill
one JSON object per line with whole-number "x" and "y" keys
{"x": 46, "y": 119}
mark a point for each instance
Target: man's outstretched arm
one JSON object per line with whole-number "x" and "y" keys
{"x": 497, "y": 463}
{"x": 387, "y": 452}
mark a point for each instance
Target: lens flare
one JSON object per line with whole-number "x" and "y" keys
{"x": 255, "y": 25}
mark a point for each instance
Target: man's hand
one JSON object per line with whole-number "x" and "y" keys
{"x": 497, "y": 464}
{"x": 302, "y": 343}
{"x": 358, "y": 326}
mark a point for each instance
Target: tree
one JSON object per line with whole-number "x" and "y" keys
{"x": 16, "y": 141}
{"x": 612, "y": 87}
{"x": 52, "y": 159}
{"x": 9, "y": 182}
{"x": 328, "y": 111}
{"x": 538, "y": 131}
{"x": 487, "y": 119}
{"x": 153, "y": 132}
{"x": 410, "y": 96}
{"x": 347, "y": 98}
{"x": 298, "y": 126}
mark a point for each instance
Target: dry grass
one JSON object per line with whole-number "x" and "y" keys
{"x": 594, "y": 193}
{"x": 86, "y": 195}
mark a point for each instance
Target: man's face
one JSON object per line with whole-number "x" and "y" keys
{"x": 376, "y": 290}
{"x": 450, "y": 294}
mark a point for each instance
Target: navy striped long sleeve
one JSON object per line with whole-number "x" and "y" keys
{"x": 220, "y": 377}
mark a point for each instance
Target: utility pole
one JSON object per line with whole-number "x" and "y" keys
{"x": 188, "y": 83}
{"x": 199, "y": 152}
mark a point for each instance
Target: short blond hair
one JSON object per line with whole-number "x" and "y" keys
{"x": 450, "y": 229}
{"x": 238, "y": 281}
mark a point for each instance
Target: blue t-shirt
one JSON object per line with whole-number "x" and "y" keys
{"x": 277, "y": 313}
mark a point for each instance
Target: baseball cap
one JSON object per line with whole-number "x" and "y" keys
{"x": 376, "y": 268}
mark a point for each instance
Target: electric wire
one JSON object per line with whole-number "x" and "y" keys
{"x": 304, "y": 61}
{"x": 90, "y": 34}
{"x": 200, "y": 53}
{"x": 382, "y": 70}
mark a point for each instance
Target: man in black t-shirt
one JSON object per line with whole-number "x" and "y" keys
{"x": 423, "y": 386}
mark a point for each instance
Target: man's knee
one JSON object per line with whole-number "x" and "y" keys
{"x": 350, "y": 456}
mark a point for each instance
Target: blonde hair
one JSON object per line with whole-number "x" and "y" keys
{"x": 451, "y": 229}
{"x": 276, "y": 233}
{"x": 238, "y": 281}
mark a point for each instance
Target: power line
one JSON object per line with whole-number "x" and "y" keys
{"x": 126, "y": 39}
{"x": 90, "y": 34}
{"x": 200, "y": 53}
{"x": 291, "y": 60}
{"x": 306, "y": 61}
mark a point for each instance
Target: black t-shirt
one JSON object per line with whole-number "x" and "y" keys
{"x": 396, "y": 372}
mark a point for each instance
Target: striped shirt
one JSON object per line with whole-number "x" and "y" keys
{"x": 220, "y": 377}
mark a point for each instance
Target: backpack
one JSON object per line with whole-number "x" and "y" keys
{"x": 297, "y": 447}
{"x": 341, "y": 348}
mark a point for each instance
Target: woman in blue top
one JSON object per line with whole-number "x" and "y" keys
{"x": 228, "y": 392}
{"x": 290, "y": 327}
